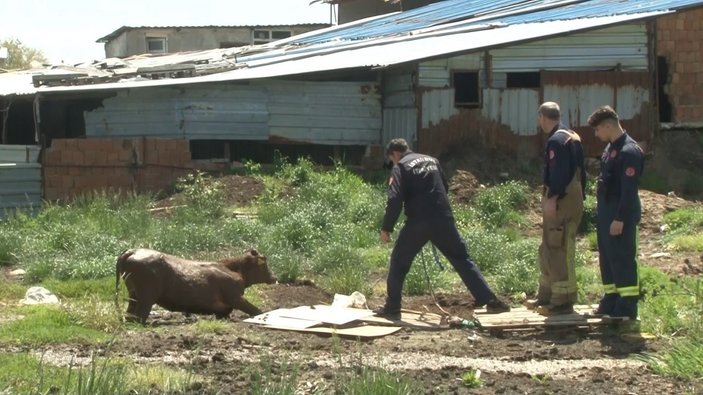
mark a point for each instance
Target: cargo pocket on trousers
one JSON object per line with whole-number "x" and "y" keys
{"x": 555, "y": 237}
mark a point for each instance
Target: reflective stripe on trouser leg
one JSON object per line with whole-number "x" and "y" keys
{"x": 624, "y": 266}
{"x": 544, "y": 292}
{"x": 609, "y": 289}
{"x": 568, "y": 286}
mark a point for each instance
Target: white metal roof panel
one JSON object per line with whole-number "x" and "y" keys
{"x": 383, "y": 52}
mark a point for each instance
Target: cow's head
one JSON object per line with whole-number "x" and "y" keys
{"x": 256, "y": 269}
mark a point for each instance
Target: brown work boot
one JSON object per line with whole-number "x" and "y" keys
{"x": 496, "y": 306}
{"x": 548, "y": 310}
{"x": 532, "y": 304}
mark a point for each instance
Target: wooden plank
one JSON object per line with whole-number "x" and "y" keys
{"x": 276, "y": 318}
{"x": 521, "y": 317}
{"x": 327, "y": 314}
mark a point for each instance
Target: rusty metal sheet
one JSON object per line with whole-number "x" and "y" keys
{"x": 580, "y": 93}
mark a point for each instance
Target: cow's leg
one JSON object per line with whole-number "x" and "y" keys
{"x": 132, "y": 305}
{"x": 144, "y": 303}
{"x": 242, "y": 304}
{"x": 223, "y": 315}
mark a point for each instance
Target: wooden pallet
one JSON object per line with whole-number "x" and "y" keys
{"x": 521, "y": 318}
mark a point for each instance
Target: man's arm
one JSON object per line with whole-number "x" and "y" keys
{"x": 629, "y": 182}
{"x": 558, "y": 163}
{"x": 394, "y": 204}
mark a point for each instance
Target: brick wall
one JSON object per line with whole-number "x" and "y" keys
{"x": 680, "y": 40}
{"x": 75, "y": 166}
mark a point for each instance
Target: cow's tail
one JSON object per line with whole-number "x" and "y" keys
{"x": 119, "y": 271}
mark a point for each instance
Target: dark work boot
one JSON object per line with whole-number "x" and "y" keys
{"x": 391, "y": 313}
{"x": 607, "y": 304}
{"x": 496, "y": 306}
{"x": 626, "y": 307}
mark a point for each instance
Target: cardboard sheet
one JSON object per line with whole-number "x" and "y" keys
{"x": 327, "y": 314}
{"x": 364, "y": 331}
{"x": 275, "y": 318}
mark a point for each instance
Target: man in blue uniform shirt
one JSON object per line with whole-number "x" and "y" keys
{"x": 619, "y": 213}
{"x": 418, "y": 183}
{"x": 564, "y": 180}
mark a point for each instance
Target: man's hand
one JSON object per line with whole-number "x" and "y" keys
{"x": 616, "y": 228}
{"x": 549, "y": 207}
{"x": 385, "y": 236}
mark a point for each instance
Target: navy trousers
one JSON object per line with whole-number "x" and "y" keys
{"x": 617, "y": 254}
{"x": 445, "y": 236}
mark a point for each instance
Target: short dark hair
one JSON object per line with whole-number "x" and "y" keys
{"x": 550, "y": 110}
{"x": 603, "y": 114}
{"x": 397, "y": 145}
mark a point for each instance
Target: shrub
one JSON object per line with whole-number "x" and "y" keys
{"x": 500, "y": 205}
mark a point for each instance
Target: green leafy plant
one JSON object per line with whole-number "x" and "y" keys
{"x": 471, "y": 378}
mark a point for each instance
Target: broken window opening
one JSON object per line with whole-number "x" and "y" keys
{"x": 523, "y": 80}
{"x": 266, "y": 153}
{"x": 665, "y": 110}
{"x": 156, "y": 45}
{"x": 266, "y": 36}
{"x": 466, "y": 89}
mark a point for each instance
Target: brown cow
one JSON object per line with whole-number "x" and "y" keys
{"x": 177, "y": 284}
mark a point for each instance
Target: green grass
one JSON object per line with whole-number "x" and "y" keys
{"x": 29, "y": 374}
{"x": 378, "y": 382}
{"x": 11, "y": 292}
{"x": 684, "y": 360}
{"x": 274, "y": 377}
{"x": 47, "y": 325}
{"x": 686, "y": 229}
{"x": 210, "y": 326}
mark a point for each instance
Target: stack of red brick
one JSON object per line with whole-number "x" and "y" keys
{"x": 680, "y": 40}
{"x": 73, "y": 167}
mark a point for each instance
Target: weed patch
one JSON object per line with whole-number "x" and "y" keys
{"x": 47, "y": 325}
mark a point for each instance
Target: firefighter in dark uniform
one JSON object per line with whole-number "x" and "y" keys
{"x": 418, "y": 183}
{"x": 564, "y": 179}
{"x": 619, "y": 213}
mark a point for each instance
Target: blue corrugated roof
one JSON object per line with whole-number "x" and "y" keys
{"x": 439, "y": 29}
{"x": 474, "y": 12}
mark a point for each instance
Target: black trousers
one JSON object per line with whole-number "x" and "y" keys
{"x": 617, "y": 254}
{"x": 445, "y": 236}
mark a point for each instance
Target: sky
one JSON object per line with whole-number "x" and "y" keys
{"x": 66, "y": 30}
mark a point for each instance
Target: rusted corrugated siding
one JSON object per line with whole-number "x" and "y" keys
{"x": 580, "y": 93}
{"x": 516, "y": 108}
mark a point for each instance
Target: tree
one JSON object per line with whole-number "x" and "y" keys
{"x": 19, "y": 56}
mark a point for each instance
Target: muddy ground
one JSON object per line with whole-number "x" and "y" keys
{"x": 597, "y": 360}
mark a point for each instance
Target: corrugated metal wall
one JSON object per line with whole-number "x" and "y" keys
{"x": 437, "y": 73}
{"x": 516, "y": 108}
{"x": 344, "y": 113}
{"x": 580, "y": 93}
{"x": 624, "y": 45}
{"x": 399, "y": 107}
{"x": 437, "y": 105}
{"x": 335, "y": 113}
{"x": 20, "y": 178}
{"x": 218, "y": 112}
